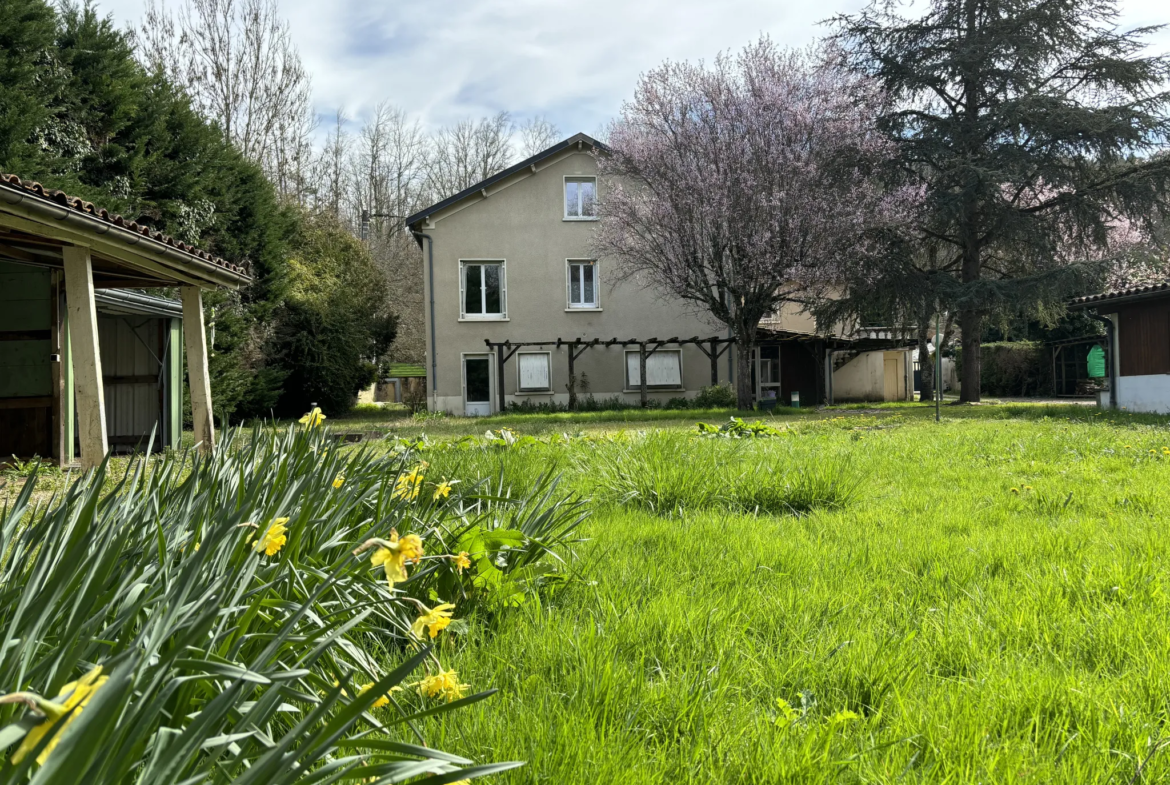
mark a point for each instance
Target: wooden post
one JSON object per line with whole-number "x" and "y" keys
{"x": 68, "y": 402}
{"x": 714, "y": 364}
{"x": 197, "y": 373}
{"x": 500, "y": 360}
{"x": 572, "y": 377}
{"x": 87, "y": 372}
{"x": 174, "y": 372}
{"x": 642, "y": 374}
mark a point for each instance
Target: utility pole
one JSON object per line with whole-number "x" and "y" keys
{"x": 365, "y": 226}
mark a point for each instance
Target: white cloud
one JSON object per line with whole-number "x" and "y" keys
{"x": 574, "y": 62}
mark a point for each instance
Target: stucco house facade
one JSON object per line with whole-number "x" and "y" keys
{"x": 512, "y": 290}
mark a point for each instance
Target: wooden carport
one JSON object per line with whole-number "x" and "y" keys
{"x": 84, "y": 249}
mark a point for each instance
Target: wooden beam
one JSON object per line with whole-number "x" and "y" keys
{"x": 197, "y": 373}
{"x": 87, "y": 371}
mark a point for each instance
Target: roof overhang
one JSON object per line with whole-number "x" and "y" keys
{"x": 34, "y": 229}
{"x": 125, "y": 302}
{"x": 1103, "y": 302}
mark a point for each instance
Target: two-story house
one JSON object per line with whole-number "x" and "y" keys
{"x": 510, "y": 284}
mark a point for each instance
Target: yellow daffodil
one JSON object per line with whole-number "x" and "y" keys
{"x": 1128, "y": 447}
{"x": 383, "y": 700}
{"x": 1027, "y": 487}
{"x": 442, "y": 490}
{"x": 313, "y": 418}
{"x": 396, "y": 554}
{"x": 76, "y": 695}
{"x": 408, "y": 485}
{"x": 435, "y": 619}
{"x": 462, "y": 561}
{"x": 445, "y": 684}
{"x": 273, "y": 539}
{"x": 339, "y": 480}
{"x": 1015, "y": 490}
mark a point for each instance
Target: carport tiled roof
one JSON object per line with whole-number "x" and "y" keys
{"x": 1136, "y": 292}
{"x": 63, "y": 199}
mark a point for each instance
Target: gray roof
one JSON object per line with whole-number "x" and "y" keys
{"x": 132, "y": 303}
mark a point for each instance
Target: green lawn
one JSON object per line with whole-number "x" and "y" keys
{"x": 991, "y": 606}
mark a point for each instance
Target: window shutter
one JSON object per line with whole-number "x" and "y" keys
{"x": 662, "y": 369}
{"x": 534, "y": 372}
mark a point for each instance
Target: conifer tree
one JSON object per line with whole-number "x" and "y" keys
{"x": 1035, "y": 129}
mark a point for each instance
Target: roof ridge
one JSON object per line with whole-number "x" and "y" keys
{"x": 88, "y": 208}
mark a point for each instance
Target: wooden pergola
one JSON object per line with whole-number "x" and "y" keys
{"x": 86, "y": 248}
{"x": 646, "y": 347}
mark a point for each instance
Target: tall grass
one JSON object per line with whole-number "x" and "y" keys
{"x": 215, "y": 662}
{"x": 671, "y": 472}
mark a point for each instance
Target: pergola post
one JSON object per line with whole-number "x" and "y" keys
{"x": 642, "y": 374}
{"x": 86, "y": 355}
{"x": 197, "y": 374}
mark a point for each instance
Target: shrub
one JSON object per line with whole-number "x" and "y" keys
{"x": 1017, "y": 368}
{"x": 717, "y": 396}
{"x": 200, "y": 656}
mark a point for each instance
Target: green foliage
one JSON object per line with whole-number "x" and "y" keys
{"x": 736, "y": 428}
{"x": 1019, "y": 368}
{"x": 334, "y": 320}
{"x": 78, "y": 112}
{"x": 717, "y": 396}
{"x": 223, "y": 661}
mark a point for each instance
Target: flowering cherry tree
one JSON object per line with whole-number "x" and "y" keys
{"x": 742, "y": 185}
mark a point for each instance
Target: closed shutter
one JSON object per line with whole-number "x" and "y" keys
{"x": 662, "y": 369}
{"x": 534, "y": 372}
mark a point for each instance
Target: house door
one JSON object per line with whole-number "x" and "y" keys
{"x": 892, "y": 378}
{"x": 477, "y": 385}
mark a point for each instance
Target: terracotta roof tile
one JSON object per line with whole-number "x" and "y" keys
{"x": 80, "y": 205}
{"x": 1122, "y": 293}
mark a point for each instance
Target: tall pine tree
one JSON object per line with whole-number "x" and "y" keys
{"x": 1035, "y": 128}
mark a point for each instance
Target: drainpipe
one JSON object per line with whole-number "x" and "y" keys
{"x": 1112, "y": 358}
{"x": 431, "y": 279}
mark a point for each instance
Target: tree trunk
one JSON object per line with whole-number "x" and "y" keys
{"x": 743, "y": 373}
{"x": 971, "y": 325}
{"x": 925, "y": 362}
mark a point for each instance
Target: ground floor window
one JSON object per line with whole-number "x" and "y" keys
{"x": 663, "y": 370}
{"x": 534, "y": 372}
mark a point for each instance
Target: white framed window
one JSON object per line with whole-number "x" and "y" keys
{"x": 582, "y": 283}
{"x": 534, "y": 372}
{"x": 483, "y": 291}
{"x": 663, "y": 370}
{"x": 580, "y": 198}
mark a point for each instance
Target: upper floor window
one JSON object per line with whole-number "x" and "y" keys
{"x": 580, "y": 198}
{"x": 484, "y": 294}
{"x": 582, "y": 283}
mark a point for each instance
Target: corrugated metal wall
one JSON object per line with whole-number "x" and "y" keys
{"x": 132, "y": 349}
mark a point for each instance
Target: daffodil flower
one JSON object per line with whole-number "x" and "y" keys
{"x": 436, "y": 620}
{"x": 339, "y": 480}
{"x": 393, "y": 555}
{"x": 76, "y": 695}
{"x": 313, "y": 418}
{"x": 444, "y": 684}
{"x": 442, "y": 491}
{"x": 273, "y": 539}
{"x": 462, "y": 561}
{"x": 383, "y": 700}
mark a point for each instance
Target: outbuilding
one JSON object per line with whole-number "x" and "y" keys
{"x": 80, "y": 346}
{"x": 1137, "y": 323}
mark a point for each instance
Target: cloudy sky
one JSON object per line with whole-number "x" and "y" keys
{"x": 572, "y": 62}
